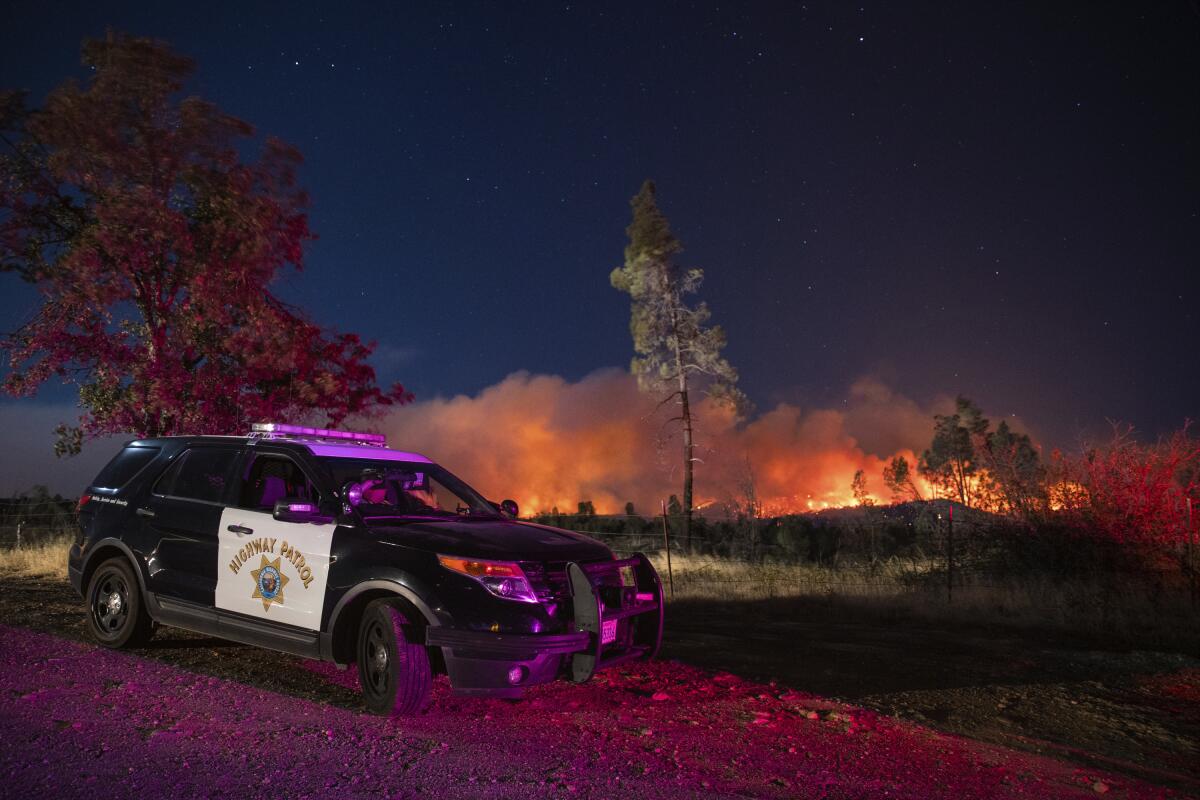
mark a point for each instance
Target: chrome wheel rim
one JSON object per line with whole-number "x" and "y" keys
{"x": 110, "y": 603}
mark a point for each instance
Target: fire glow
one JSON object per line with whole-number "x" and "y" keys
{"x": 550, "y": 443}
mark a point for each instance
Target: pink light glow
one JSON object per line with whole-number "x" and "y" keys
{"x": 320, "y": 433}
{"x": 357, "y": 451}
{"x": 665, "y": 728}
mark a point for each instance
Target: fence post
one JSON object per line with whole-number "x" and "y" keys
{"x": 1191, "y": 553}
{"x": 20, "y": 523}
{"x": 950, "y": 556}
{"x": 667, "y": 547}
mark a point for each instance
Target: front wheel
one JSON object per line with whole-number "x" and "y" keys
{"x": 117, "y": 615}
{"x": 394, "y": 672}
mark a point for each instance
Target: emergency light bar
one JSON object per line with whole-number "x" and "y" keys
{"x": 279, "y": 430}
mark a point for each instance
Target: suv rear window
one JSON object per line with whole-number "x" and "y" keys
{"x": 201, "y": 473}
{"x": 125, "y": 464}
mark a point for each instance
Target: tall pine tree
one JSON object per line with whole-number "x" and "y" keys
{"x": 677, "y": 352}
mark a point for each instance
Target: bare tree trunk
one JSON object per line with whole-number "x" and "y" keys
{"x": 685, "y": 414}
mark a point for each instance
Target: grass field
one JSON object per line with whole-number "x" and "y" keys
{"x": 1123, "y": 613}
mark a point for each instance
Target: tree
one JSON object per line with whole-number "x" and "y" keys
{"x": 152, "y": 244}
{"x": 1015, "y": 470}
{"x": 587, "y": 508}
{"x": 952, "y": 461}
{"x": 676, "y": 350}
{"x": 897, "y": 476}
{"x": 1000, "y": 470}
{"x": 1131, "y": 492}
{"x": 629, "y": 510}
{"x": 858, "y": 487}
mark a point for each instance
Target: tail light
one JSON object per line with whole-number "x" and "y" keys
{"x": 84, "y": 499}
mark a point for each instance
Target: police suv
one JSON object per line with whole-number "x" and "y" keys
{"x": 328, "y": 544}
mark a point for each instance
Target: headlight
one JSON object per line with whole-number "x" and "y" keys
{"x": 504, "y": 579}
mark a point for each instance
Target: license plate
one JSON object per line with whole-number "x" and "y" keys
{"x": 608, "y": 631}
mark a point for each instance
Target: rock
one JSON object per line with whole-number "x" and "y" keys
{"x": 1100, "y": 787}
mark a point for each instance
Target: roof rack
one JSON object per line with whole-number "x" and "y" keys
{"x": 279, "y": 430}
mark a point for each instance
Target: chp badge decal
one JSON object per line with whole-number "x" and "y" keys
{"x": 269, "y": 579}
{"x": 268, "y": 582}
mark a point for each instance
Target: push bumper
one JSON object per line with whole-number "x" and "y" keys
{"x": 611, "y": 624}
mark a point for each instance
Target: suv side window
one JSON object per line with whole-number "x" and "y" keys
{"x": 271, "y": 478}
{"x": 199, "y": 473}
{"x": 124, "y": 466}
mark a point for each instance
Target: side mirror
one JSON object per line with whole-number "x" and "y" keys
{"x": 293, "y": 509}
{"x": 509, "y": 508}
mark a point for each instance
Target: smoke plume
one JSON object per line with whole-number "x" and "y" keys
{"x": 550, "y": 443}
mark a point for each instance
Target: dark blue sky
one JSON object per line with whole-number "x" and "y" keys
{"x": 1001, "y": 200}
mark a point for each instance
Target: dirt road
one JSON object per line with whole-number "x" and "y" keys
{"x": 1130, "y": 711}
{"x": 191, "y": 716}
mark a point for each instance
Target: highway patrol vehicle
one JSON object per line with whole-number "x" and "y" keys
{"x": 330, "y": 545}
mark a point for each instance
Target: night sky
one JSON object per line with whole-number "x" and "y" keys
{"x": 994, "y": 199}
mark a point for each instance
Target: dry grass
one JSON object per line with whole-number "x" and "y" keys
{"x": 1122, "y": 612}
{"x": 45, "y": 559}
{"x": 709, "y": 577}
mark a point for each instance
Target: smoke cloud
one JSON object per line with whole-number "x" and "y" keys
{"x": 550, "y": 443}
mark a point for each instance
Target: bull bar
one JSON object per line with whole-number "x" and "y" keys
{"x": 597, "y": 596}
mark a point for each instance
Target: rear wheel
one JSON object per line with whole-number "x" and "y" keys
{"x": 117, "y": 614}
{"x": 394, "y": 672}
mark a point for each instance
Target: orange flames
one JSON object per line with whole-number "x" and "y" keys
{"x": 549, "y": 443}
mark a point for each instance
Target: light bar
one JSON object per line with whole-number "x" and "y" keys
{"x": 282, "y": 429}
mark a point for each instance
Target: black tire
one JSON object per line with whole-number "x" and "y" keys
{"x": 117, "y": 614}
{"x": 394, "y": 673}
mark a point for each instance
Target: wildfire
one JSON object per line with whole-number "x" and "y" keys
{"x": 1067, "y": 494}
{"x": 549, "y": 443}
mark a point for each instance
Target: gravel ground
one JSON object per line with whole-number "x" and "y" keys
{"x": 1131, "y": 711}
{"x": 192, "y": 716}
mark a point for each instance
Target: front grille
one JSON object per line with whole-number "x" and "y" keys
{"x": 549, "y": 581}
{"x": 550, "y": 584}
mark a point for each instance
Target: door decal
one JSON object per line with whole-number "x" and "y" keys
{"x": 273, "y": 570}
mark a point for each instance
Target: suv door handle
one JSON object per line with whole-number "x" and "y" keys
{"x": 240, "y": 530}
{"x": 144, "y": 512}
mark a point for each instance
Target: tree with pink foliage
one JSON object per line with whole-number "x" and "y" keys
{"x": 153, "y": 241}
{"x": 1132, "y": 492}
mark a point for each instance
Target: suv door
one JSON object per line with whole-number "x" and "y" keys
{"x": 180, "y": 519}
{"x": 268, "y": 569}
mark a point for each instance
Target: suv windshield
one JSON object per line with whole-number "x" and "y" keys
{"x": 380, "y": 488}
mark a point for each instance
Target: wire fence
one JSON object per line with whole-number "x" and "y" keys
{"x": 878, "y": 549}
{"x": 26, "y": 521}
{"x": 889, "y": 549}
